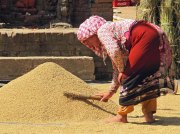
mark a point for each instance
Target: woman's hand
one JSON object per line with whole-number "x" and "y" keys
{"x": 105, "y": 96}
{"x": 120, "y": 77}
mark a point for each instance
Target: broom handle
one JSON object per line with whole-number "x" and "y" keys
{"x": 91, "y": 97}
{"x": 76, "y": 96}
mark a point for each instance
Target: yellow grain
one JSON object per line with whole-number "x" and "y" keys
{"x": 38, "y": 97}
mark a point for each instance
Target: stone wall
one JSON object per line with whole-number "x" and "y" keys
{"x": 85, "y": 8}
{"x": 43, "y": 12}
{"x": 49, "y": 42}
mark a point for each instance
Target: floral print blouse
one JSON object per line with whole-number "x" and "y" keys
{"x": 113, "y": 36}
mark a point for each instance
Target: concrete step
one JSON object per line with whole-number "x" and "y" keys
{"x": 13, "y": 67}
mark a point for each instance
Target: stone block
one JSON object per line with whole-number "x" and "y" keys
{"x": 13, "y": 67}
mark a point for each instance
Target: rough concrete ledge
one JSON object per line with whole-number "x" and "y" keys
{"x": 13, "y": 67}
{"x": 50, "y": 42}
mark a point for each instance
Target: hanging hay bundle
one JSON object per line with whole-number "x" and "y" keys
{"x": 149, "y": 10}
{"x": 167, "y": 19}
{"x": 177, "y": 24}
{"x": 168, "y": 24}
{"x": 177, "y": 35}
{"x": 166, "y": 14}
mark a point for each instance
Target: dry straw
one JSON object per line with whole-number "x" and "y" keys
{"x": 38, "y": 96}
{"x": 167, "y": 19}
{"x": 166, "y": 14}
{"x": 177, "y": 35}
{"x": 149, "y": 10}
{"x": 170, "y": 24}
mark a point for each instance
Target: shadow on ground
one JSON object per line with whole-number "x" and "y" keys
{"x": 163, "y": 121}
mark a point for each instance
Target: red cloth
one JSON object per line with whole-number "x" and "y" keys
{"x": 144, "y": 56}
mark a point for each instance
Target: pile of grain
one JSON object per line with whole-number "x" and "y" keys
{"x": 38, "y": 97}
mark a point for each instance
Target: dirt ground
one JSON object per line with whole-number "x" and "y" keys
{"x": 124, "y": 12}
{"x": 167, "y": 121}
{"x": 167, "y": 116}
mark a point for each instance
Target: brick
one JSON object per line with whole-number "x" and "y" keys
{"x": 63, "y": 46}
{"x": 4, "y": 38}
{"x": 17, "y": 38}
{"x": 42, "y": 37}
{"x": 17, "y": 47}
{"x": 81, "y": 15}
{"x": 31, "y": 37}
{"x": 60, "y": 37}
{"x": 33, "y": 53}
{"x": 104, "y": 5}
{"x": 65, "y": 53}
{"x": 103, "y": 1}
{"x": 105, "y": 15}
{"x": 5, "y": 53}
{"x": 99, "y": 64}
{"x": 1, "y": 47}
{"x": 95, "y": 9}
{"x": 36, "y": 37}
{"x": 32, "y": 47}
{"x": 86, "y": 53}
{"x": 0, "y": 37}
{"x": 55, "y": 53}
{"x": 25, "y": 37}
{"x": 48, "y": 36}
{"x": 83, "y": 9}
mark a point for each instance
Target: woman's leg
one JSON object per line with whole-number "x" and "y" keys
{"x": 122, "y": 114}
{"x": 143, "y": 60}
{"x": 149, "y": 108}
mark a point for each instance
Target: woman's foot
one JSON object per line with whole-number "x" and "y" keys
{"x": 149, "y": 117}
{"x": 117, "y": 118}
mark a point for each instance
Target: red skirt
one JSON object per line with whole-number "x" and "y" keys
{"x": 144, "y": 56}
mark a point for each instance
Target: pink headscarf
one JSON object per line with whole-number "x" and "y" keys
{"x": 89, "y": 28}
